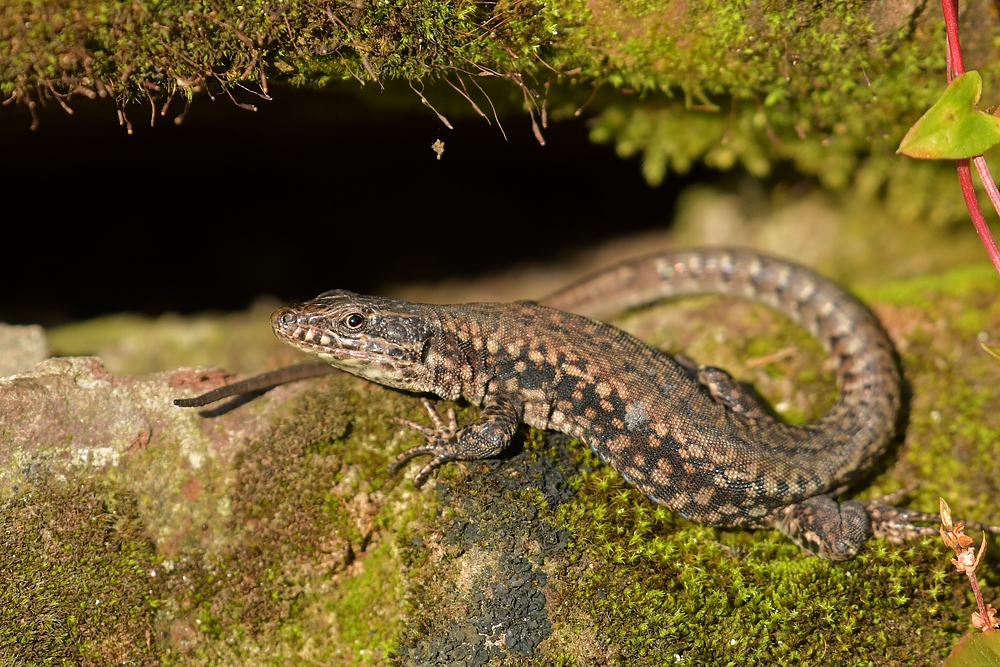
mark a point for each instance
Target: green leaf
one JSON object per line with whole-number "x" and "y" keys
{"x": 953, "y": 128}
{"x": 991, "y": 350}
{"x": 980, "y": 649}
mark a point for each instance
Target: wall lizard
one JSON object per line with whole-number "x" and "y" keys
{"x": 690, "y": 438}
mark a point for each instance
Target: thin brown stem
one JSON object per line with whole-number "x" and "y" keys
{"x": 979, "y": 594}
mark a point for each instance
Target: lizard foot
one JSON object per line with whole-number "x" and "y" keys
{"x": 830, "y": 530}
{"x": 726, "y": 390}
{"x": 440, "y": 442}
{"x": 446, "y": 442}
{"x": 838, "y": 531}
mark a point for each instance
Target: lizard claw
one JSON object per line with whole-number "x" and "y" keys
{"x": 440, "y": 443}
{"x": 898, "y": 524}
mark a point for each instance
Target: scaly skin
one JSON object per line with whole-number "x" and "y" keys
{"x": 692, "y": 440}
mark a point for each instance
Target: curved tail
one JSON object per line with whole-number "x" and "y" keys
{"x": 862, "y": 422}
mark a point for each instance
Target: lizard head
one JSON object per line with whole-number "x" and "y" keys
{"x": 383, "y": 340}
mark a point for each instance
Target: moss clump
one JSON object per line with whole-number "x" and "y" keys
{"x": 154, "y": 50}
{"x": 664, "y": 587}
{"x": 803, "y": 78}
{"x": 828, "y": 90}
{"x": 713, "y": 597}
{"x": 860, "y": 168}
{"x": 308, "y": 570}
{"x": 77, "y": 587}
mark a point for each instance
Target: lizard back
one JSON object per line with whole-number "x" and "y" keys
{"x": 716, "y": 460}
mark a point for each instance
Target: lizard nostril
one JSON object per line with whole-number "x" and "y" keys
{"x": 286, "y": 319}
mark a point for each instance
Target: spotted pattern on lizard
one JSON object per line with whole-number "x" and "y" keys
{"x": 691, "y": 439}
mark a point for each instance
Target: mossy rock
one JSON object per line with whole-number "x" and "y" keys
{"x": 269, "y": 532}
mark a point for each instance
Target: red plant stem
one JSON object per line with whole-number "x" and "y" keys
{"x": 979, "y": 598}
{"x": 955, "y": 65}
{"x": 956, "y": 68}
{"x": 978, "y": 221}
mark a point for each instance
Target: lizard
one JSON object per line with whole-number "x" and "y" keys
{"x": 690, "y": 438}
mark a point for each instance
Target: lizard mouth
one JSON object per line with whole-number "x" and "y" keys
{"x": 310, "y": 336}
{"x": 369, "y": 358}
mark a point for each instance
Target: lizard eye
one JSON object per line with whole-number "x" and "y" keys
{"x": 354, "y": 321}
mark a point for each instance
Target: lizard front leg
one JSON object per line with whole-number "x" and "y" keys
{"x": 446, "y": 442}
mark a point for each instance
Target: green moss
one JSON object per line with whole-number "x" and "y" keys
{"x": 366, "y": 623}
{"x": 77, "y": 586}
{"x": 309, "y": 570}
{"x": 172, "y": 48}
{"x": 133, "y": 345}
{"x": 665, "y": 587}
{"x": 671, "y": 138}
{"x": 823, "y": 72}
{"x": 825, "y": 89}
{"x": 927, "y": 293}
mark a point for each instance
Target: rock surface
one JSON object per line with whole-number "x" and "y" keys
{"x": 269, "y": 532}
{"x": 21, "y": 347}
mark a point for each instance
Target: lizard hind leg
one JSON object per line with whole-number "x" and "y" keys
{"x": 726, "y": 390}
{"x": 825, "y": 528}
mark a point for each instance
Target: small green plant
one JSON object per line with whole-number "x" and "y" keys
{"x": 954, "y": 129}
{"x": 977, "y": 648}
